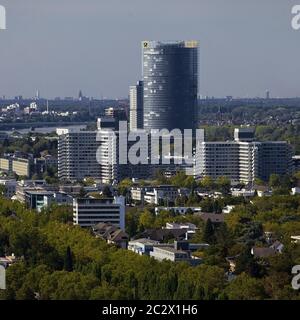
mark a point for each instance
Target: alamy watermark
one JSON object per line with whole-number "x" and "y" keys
{"x": 2, "y": 18}
{"x": 149, "y": 147}
{"x": 296, "y": 17}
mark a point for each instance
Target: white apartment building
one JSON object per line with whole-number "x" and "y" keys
{"x": 243, "y": 159}
{"x": 77, "y": 154}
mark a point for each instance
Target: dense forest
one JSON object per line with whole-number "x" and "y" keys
{"x": 62, "y": 261}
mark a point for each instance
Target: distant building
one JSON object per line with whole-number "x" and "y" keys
{"x": 38, "y": 195}
{"x": 178, "y": 210}
{"x": 77, "y": 154}
{"x": 43, "y": 163}
{"x": 243, "y": 160}
{"x": 179, "y": 253}
{"x": 136, "y": 106}
{"x": 109, "y": 155}
{"x": 142, "y": 246}
{"x": 170, "y": 76}
{"x": 39, "y": 199}
{"x": 15, "y": 165}
{"x": 88, "y": 212}
{"x": 265, "y": 252}
{"x": 161, "y": 194}
{"x": 163, "y": 235}
{"x": 119, "y": 114}
{"x": 10, "y": 187}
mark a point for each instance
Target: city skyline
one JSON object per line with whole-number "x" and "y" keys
{"x": 62, "y": 48}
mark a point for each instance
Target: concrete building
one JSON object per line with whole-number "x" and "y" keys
{"x": 243, "y": 159}
{"x": 88, "y": 212}
{"x": 142, "y": 246}
{"x": 9, "y": 187}
{"x": 14, "y": 165}
{"x": 116, "y": 113}
{"x": 178, "y": 210}
{"x": 175, "y": 254}
{"x": 39, "y": 199}
{"x": 77, "y": 154}
{"x": 170, "y": 77}
{"x": 161, "y": 194}
{"x": 136, "y": 106}
{"x": 45, "y": 162}
{"x": 111, "y": 158}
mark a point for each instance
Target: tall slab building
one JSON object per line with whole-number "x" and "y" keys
{"x": 136, "y": 106}
{"x": 170, "y": 77}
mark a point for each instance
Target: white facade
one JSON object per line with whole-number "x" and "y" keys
{"x": 136, "y": 106}
{"x": 88, "y": 212}
{"x": 77, "y": 154}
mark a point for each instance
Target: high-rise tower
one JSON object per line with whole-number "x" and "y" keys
{"x": 170, "y": 76}
{"x": 136, "y": 106}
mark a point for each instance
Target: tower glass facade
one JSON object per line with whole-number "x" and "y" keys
{"x": 170, "y": 75}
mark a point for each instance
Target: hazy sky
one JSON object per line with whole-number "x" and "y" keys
{"x": 61, "y": 46}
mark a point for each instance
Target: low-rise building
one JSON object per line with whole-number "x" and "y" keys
{"x": 142, "y": 246}
{"x": 9, "y": 187}
{"x": 39, "y": 199}
{"x": 161, "y": 194}
{"x": 265, "y": 252}
{"x": 178, "y": 253}
{"x": 164, "y": 235}
{"x": 88, "y": 212}
{"x": 186, "y": 226}
{"x": 243, "y": 193}
{"x": 178, "y": 210}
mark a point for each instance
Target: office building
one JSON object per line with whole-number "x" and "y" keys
{"x": 88, "y": 212}
{"x": 136, "y": 106}
{"x": 170, "y": 78}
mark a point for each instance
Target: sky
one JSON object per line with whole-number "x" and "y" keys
{"x": 62, "y": 46}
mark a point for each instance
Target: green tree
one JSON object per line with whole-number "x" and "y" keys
{"x": 244, "y": 287}
{"x": 274, "y": 181}
{"x": 68, "y": 264}
{"x": 209, "y": 232}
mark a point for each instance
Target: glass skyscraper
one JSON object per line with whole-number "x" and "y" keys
{"x": 170, "y": 75}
